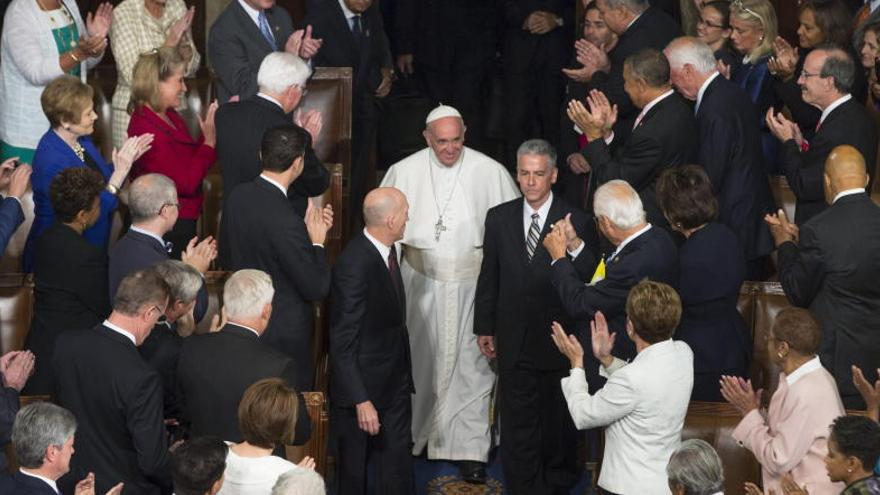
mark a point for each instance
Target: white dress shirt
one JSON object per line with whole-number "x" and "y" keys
{"x": 643, "y": 405}
{"x": 149, "y": 234}
{"x": 848, "y": 192}
{"x": 274, "y": 183}
{"x": 273, "y": 100}
{"x": 811, "y": 365}
{"x": 542, "y": 212}
{"x": 45, "y": 480}
{"x": 121, "y": 331}
{"x": 349, "y": 14}
{"x": 253, "y": 13}
{"x": 830, "y": 108}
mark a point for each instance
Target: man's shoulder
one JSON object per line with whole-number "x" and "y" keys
{"x": 504, "y": 208}
{"x": 226, "y": 20}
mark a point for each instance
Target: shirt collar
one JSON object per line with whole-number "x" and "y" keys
{"x": 630, "y": 239}
{"x": 809, "y": 366}
{"x": 345, "y": 11}
{"x": 848, "y": 192}
{"x": 836, "y": 103}
{"x": 245, "y": 327}
{"x": 269, "y": 98}
{"x": 253, "y": 13}
{"x": 702, "y": 90}
{"x": 44, "y": 479}
{"x": 274, "y": 183}
{"x": 542, "y": 211}
{"x": 627, "y": 26}
{"x": 653, "y": 102}
{"x": 384, "y": 250}
{"x": 149, "y": 234}
{"x": 120, "y": 330}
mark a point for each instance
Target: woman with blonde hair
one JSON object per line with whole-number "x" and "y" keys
{"x": 156, "y": 90}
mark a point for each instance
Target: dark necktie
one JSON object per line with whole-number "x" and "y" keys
{"x": 357, "y": 28}
{"x": 394, "y": 270}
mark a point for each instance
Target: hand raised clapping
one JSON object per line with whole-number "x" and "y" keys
{"x": 568, "y": 345}
{"x": 98, "y": 25}
{"x": 199, "y": 255}
{"x": 318, "y": 222}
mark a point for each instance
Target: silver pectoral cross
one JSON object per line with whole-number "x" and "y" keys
{"x": 438, "y": 229}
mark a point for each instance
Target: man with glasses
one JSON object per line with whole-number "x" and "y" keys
{"x": 825, "y": 81}
{"x": 115, "y": 395}
{"x": 152, "y": 202}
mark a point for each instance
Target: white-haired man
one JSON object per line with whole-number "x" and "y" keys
{"x": 450, "y": 188}
{"x": 241, "y": 125}
{"x": 215, "y": 368}
{"x": 641, "y": 250}
{"x": 730, "y": 146}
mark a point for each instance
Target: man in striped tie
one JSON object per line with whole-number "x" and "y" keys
{"x": 515, "y": 306}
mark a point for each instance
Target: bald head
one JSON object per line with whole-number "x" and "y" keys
{"x": 844, "y": 169}
{"x": 385, "y": 214}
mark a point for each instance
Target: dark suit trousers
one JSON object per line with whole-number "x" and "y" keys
{"x": 538, "y": 436}
{"x": 390, "y": 451}
{"x": 533, "y": 100}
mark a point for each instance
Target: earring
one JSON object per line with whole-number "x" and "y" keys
{"x": 780, "y": 355}
{"x": 849, "y": 470}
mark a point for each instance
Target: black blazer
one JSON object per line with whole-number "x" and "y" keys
{"x": 8, "y": 410}
{"x": 666, "y": 137}
{"x": 730, "y": 151}
{"x": 653, "y": 29}
{"x": 260, "y": 230}
{"x": 22, "y": 484}
{"x": 214, "y": 371}
{"x": 136, "y": 251}
{"x": 651, "y": 255}
{"x": 117, "y": 400}
{"x": 515, "y": 299}
{"x": 240, "y": 129}
{"x": 236, "y": 48}
{"x": 161, "y": 350}
{"x": 851, "y": 124}
{"x": 712, "y": 270}
{"x": 833, "y": 271}
{"x": 369, "y": 343}
{"x": 70, "y": 293}
{"x": 340, "y": 48}
{"x": 522, "y": 49}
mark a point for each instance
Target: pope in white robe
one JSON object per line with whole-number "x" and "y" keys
{"x": 449, "y": 188}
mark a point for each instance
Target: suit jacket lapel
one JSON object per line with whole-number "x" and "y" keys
{"x": 343, "y": 25}
{"x": 554, "y": 214}
{"x": 517, "y": 233}
{"x": 249, "y": 27}
{"x": 381, "y": 264}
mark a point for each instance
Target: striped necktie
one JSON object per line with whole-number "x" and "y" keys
{"x": 534, "y": 234}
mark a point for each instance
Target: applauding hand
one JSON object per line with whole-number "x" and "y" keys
{"x": 568, "y": 345}
{"x": 602, "y": 340}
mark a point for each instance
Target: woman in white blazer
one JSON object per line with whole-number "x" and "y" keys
{"x": 643, "y": 403}
{"x": 42, "y": 40}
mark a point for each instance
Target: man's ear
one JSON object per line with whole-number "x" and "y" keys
{"x": 266, "y": 313}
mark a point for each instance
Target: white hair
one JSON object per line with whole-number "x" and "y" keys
{"x": 299, "y": 482}
{"x": 689, "y": 50}
{"x": 696, "y": 467}
{"x": 246, "y": 293}
{"x": 617, "y": 201}
{"x": 281, "y": 70}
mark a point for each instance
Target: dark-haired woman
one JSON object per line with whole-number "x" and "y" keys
{"x": 70, "y": 274}
{"x": 853, "y": 451}
{"x": 711, "y": 270}
{"x": 713, "y": 28}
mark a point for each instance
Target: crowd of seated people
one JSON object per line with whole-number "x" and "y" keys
{"x": 669, "y": 142}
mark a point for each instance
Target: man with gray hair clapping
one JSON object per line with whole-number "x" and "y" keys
{"x": 642, "y": 250}
{"x": 215, "y": 369}
{"x": 695, "y": 469}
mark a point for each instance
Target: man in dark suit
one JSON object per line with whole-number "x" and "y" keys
{"x": 115, "y": 395}
{"x": 152, "y": 202}
{"x": 354, "y": 37}
{"x": 215, "y": 368}
{"x": 730, "y": 148}
{"x": 240, "y": 127}
{"x": 244, "y": 33}
{"x": 371, "y": 373}
{"x": 15, "y": 368}
{"x": 514, "y": 307}
{"x": 638, "y": 26}
{"x": 261, "y": 230}
{"x": 665, "y": 132}
{"x": 831, "y": 267}
{"x": 641, "y": 251}
{"x": 537, "y": 45}
{"x": 43, "y": 434}
{"x": 825, "y": 82}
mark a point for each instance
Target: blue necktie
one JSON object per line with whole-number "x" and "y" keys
{"x": 264, "y": 28}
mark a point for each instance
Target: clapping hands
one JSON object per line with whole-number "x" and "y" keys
{"x": 15, "y": 368}
{"x": 780, "y": 228}
{"x": 784, "y": 59}
{"x": 738, "y": 391}
{"x": 86, "y": 486}
{"x": 597, "y": 122}
{"x": 783, "y": 128}
{"x": 311, "y": 121}
{"x": 98, "y": 25}
{"x": 568, "y": 345}
{"x": 180, "y": 27}
{"x": 870, "y": 393}
{"x": 318, "y": 222}
{"x": 200, "y": 254}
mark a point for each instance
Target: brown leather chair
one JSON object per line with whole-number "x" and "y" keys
{"x": 783, "y": 195}
{"x": 11, "y": 261}
{"x": 769, "y": 301}
{"x": 16, "y": 310}
{"x": 316, "y": 447}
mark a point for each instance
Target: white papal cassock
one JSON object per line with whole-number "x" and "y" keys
{"x": 452, "y": 379}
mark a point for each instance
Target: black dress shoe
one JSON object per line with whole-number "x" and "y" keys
{"x": 473, "y": 472}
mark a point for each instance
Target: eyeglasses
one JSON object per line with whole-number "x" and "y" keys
{"x": 806, "y": 75}
{"x": 176, "y": 205}
{"x": 738, "y": 5}
{"x": 710, "y": 25}
{"x": 158, "y": 309}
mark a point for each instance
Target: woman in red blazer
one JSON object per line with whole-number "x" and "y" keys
{"x": 156, "y": 91}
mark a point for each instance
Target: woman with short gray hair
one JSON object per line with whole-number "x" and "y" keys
{"x": 695, "y": 469}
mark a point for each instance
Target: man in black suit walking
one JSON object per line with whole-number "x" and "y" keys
{"x": 152, "y": 202}
{"x": 730, "y": 147}
{"x": 240, "y": 127}
{"x": 831, "y": 267}
{"x": 515, "y": 304}
{"x": 354, "y": 37}
{"x": 638, "y": 26}
{"x": 825, "y": 82}
{"x": 371, "y": 373}
{"x": 216, "y": 368}
{"x": 641, "y": 251}
{"x": 115, "y": 395}
{"x": 245, "y": 32}
{"x": 261, "y": 230}
{"x": 664, "y": 134}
